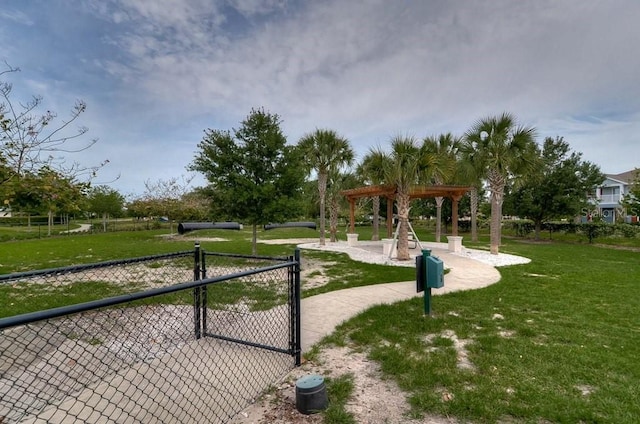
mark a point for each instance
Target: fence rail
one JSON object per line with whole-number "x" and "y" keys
{"x": 215, "y": 332}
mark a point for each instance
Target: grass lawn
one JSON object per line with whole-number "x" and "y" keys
{"x": 26, "y": 255}
{"x": 554, "y": 341}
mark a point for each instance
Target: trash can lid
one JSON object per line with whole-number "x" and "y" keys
{"x": 310, "y": 381}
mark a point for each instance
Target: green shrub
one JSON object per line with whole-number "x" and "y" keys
{"x": 522, "y": 228}
{"x": 627, "y": 230}
{"x": 595, "y": 229}
{"x": 560, "y": 227}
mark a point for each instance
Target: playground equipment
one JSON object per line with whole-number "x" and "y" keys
{"x": 307, "y": 224}
{"x": 185, "y": 227}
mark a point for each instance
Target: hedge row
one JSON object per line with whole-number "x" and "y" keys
{"x": 590, "y": 229}
{"x": 23, "y": 221}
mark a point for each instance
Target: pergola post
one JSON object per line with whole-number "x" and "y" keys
{"x": 454, "y": 214}
{"x": 352, "y": 215}
{"x": 390, "y": 217}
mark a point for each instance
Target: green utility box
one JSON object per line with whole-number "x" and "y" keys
{"x": 435, "y": 272}
{"x": 429, "y": 275}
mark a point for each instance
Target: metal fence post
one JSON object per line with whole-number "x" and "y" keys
{"x": 196, "y": 293}
{"x": 298, "y": 317}
{"x": 203, "y": 291}
{"x": 292, "y": 309}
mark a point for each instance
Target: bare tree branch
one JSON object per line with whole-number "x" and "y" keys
{"x": 29, "y": 140}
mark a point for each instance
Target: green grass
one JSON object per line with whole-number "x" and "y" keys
{"x": 346, "y": 273}
{"x": 12, "y": 232}
{"x": 339, "y": 391}
{"x": 31, "y": 297}
{"x": 554, "y": 340}
{"x": 57, "y": 252}
{"x": 257, "y": 295}
{"x": 292, "y": 233}
{"x": 16, "y": 233}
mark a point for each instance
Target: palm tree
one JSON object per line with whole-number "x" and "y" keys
{"x": 324, "y": 151}
{"x": 503, "y": 150}
{"x": 337, "y": 182}
{"x": 439, "y": 154}
{"x": 469, "y": 172}
{"x": 402, "y": 168}
{"x": 371, "y": 169}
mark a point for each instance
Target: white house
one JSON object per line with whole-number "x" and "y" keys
{"x": 608, "y": 197}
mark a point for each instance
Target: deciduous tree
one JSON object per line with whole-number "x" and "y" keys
{"x": 254, "y": 175}
{"x": 558, "y": 187}
{"x": 105, "y": 201}
{"x": 59, "y": 193}
{"x": 31, "y": 140}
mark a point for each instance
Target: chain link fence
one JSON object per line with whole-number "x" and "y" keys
{"x": 205, "y": 338}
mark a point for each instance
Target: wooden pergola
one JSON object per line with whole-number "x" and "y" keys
{"x": 455, "y": 193}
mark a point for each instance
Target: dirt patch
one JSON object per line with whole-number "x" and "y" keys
{"x": 312, "y": 272}
{"x": 191, "y": 238}
{"x": 146, "y": 275}
{"x": 374, "y": 399}
{"x": 289, "y": 241}
{"x": 611, "y": 246}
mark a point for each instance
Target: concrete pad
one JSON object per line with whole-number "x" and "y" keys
{"x": 173, "y": 388}
{"x": 322, "y": 313}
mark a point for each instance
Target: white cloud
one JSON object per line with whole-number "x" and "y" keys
{"x": 374, "y": 69}
{"x": 251, "y": 8}
{"x": 16, "y": 16}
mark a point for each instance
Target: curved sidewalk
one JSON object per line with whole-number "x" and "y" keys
{"x": 322, "y": 313}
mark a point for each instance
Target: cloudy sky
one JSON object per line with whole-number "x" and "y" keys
{"x": 156, "y": 73}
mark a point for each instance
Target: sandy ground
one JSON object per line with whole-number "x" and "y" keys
{"x": 375, "y": 399}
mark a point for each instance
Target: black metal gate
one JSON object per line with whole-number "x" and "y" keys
{"x": 217, "y": 332}
{"x": 269, "y": 297}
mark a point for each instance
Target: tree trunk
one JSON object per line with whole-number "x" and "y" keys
{"x": 538, "y": 229}
{"x": 496, "y": 185}
{"x": 254, "y": 240}
{"x": 473, "y": 194}
{"x": 333, "y": 219}
{"x": 322, "y": 191}
{"x": 439, "y": 201}
{"x": 403, "y": 216}
{"x": 376, "y": 219}
{"x": 104, "y": 222}
{"x": 49, "y": 222}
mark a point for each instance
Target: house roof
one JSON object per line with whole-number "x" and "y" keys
{"x": 625, "y": 177}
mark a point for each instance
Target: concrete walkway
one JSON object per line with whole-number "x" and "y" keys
{"x": 83, "y": 229}
{"x": 322, "y": 313}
